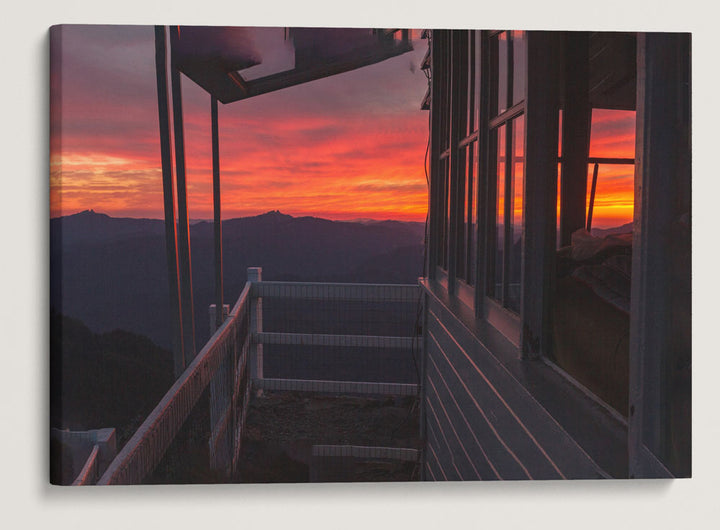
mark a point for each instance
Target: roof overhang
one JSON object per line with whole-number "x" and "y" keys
{"x": 220, "y": 60}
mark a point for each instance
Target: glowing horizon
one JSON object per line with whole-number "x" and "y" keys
{"x": 349, "y": 146}
{"x": 345, "y": 147}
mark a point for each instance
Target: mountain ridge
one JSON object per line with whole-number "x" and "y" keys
{"x": 111, "y": 272}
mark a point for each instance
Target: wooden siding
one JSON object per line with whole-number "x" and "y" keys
{"x": 482, "y": 422}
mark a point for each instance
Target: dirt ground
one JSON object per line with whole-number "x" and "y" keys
{"x": 282, "y": 427}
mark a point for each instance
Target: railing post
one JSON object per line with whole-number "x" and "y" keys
{"x": 254, "y": 274}
{"x": 213, "y": 317}
{"x": 220, "y": 396}
{"x": 423, "y": 376}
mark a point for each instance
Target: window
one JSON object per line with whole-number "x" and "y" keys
{"x": 457, "y": 102}
{"x": 507, "y": 163}
{"x": 611, "y": 169}
{"x": 591, "y": 309}
{"x": 442, "y": 102}
{"x": 469, "y": 81}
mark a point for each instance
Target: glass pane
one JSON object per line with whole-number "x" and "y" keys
{"x": 472, "y": 73}
{"x": 443, "y": 214}
{"x": 472, "y": 228}
{"x": 612, "y": 133}
{"x": 463, "y": 254}
{"x": 502, "y": 73}
{"x": 499, "y": 213}
{"x": 560, "y": 115}
{"x": 519, "y": 66}
{"x": 614, "y": 196}
{"x": 516, "y": 209}
{"x": 446, "y": 221}
{"x": 462, "y": 210}
{"x": 558, "y": 207}
{"x": 445, "y": 96}
{"x": 559, "y": 184}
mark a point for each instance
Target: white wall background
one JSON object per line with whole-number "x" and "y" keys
{"x": 28, "y": 501}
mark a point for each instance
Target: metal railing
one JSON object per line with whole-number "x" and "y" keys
{"x": 329, "y": 328}
{"x": 337, "y": 338}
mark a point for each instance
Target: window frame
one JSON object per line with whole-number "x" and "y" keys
{"x": 495, "y": 311}
{"x": 454, "y": 261}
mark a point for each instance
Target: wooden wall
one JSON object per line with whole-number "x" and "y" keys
{"x": 482, "y": 423}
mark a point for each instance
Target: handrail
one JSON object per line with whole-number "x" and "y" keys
{"x": 364, "y": 292}
{"x": 89, "y": 471}
{"x": 146, "y": 447}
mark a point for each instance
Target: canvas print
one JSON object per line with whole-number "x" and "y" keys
{"x": 345, "y": 254}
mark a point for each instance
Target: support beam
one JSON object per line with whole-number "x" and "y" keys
{"x": 217, "y": 222}
{"x": 434, "y": 215}
{"x": 541, "y": 132}
{"x": 484, "y": 178}
{"x": 659, "y": 424}
{"x": 183, "y": 233}
{"x": 175, "y": 311}
{"x": 456, "y": 188}
{"x": 575, "y": 135}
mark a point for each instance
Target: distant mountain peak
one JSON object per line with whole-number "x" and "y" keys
{"x": 89, "y": 213}
{"x": 274, "y": 213}
{"x": 274, "y": 216}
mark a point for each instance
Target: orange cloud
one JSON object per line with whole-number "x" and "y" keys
{"x": 614, "y": 196}
{"x": 343, "y": 147}
{"x": 347, "y": 146}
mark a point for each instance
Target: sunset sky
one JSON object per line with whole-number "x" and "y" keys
{"x": 345, "y": 147}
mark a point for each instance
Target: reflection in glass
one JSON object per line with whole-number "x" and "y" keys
{"x": 499, "y": 212}
{"x": 558, "y": 207}
{"x": 448, "y": 196}
{"x": 473, "y": 82}
{"x": 559, "y": 183}
{"x": 461, "y": 251}
{"x": 502, "y": 61}
{"x": 472, "y": 229}
{"x": 466, "y": 251}
{"x": 519, "y": 66}
{"x": 612, "y": 133}
{"x": 516, "y": 209}
{"x": 614, "y": 195}
{"x": 444, "y": 211}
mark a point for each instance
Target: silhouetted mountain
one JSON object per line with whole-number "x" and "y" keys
{"x": 112, "y": 273}
{"x": 88, "y": 226}
{"x": 112, "y": 379}
{"x": 602, "y": 232}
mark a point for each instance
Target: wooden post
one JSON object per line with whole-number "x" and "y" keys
{"x": 541, "y": 132}
{"x": 254, "y": 274}
{"x": 456, "y": 188}
{"x": 220, "y": 395}
{"x": 214, "y": 318}
{"x": 183, "y": 234}
{"x": 484, "y": 177}
{"x": 659, "y": 420}
{"x": 217, "y": 221}
{"x": 434, "y": 214}
{"x": 423, "y": 381}
{"x": 169, "y": 201}
{"x": 575, "y": 135}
